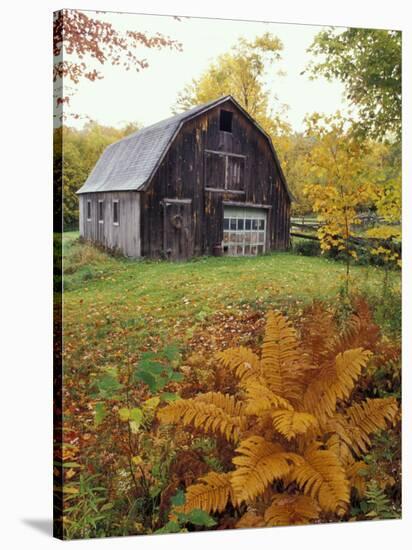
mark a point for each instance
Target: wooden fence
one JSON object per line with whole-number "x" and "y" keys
{"x": 301, "y": 226}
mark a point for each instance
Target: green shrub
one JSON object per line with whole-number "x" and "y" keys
{"x": 388, "y": 310}
{"x": 306, "y": 247}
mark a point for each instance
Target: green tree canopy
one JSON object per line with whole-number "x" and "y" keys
{"x": 368, "y": 62}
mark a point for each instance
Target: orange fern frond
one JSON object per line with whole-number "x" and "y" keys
{"x": 322, "y": 477}
{"x": 202, "y": 415}
{"x": 210, "y": 493}
{"x": 291, "y": 510}
{"x": 369, "y": 333}
{"x": 260, "y": 399}
{"x": 338, "y": 426}
{"x": 334, "y": 381}
{"x": 389, "y": 352}
{"x": 250, "y": 519}
{"x": 258, "y": 464}
{"x": 371, "y": 416}
{"x": 291, "y": 423}
{"x": 280, "y": 356}
{"x": 243, "y": 362}
{"x": 358, "y": 422}
{"x": 228, "y": 403}
{"x": 341, "y": 445}
{"x": 317, "y": 330}
{"x": 360, "y": 330}
{"x": 347, "y": 337}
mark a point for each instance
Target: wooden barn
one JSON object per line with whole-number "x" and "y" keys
{"x": 206, "y": 181}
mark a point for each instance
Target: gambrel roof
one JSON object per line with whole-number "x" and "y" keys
{"x": 130, "y": 163}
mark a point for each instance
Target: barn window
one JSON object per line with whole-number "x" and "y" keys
{"x": 226, "y": 121}
{"x": 101, "y": 211}
{"x": 89, "y": 211}
{"x": 116, "y": 214}
{"x": 244, "y": 231}
{"x": 224, "y": 171}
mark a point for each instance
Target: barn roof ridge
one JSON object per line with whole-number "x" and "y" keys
{"x": 130, "y": 163}
{"x": 177, "y": 117}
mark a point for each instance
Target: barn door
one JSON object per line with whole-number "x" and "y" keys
{"x": 178, "y": 229}
{"x": 244, "y": 231}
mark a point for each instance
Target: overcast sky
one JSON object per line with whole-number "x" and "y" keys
{"x": 149, "y": 95}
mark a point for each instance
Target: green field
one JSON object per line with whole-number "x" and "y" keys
{"x": 114, "y": 308}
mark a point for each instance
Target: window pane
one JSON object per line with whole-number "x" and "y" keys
{"x": 101, "y": 210}
{"x": 243, "y": 235}
{"x": 115, "y": 212}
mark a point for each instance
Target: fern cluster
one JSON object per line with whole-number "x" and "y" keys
{"x": 379, "y": 504}
{"x": 298, "y": 441}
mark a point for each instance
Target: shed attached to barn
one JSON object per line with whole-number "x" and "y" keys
{"x": 206, "y": 181}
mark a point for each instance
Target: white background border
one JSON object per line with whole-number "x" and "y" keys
{"x": 26, "y": 272}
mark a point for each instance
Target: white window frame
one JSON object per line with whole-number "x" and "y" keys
{"x": 88, "y": 203}
{"x": 101, "y": 201}
{"x": 116, "y": 201}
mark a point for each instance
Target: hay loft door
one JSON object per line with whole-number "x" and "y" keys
{"x": 177, "y": 229}
{"x": 244, "y": 231}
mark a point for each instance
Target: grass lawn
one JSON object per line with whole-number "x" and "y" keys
{"x": 115, "y": 308}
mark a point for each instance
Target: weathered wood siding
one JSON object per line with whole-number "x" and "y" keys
{"x": 185, "y": 173}
{"x": 123, "y": 237}
{"x": 177, "y": 229}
